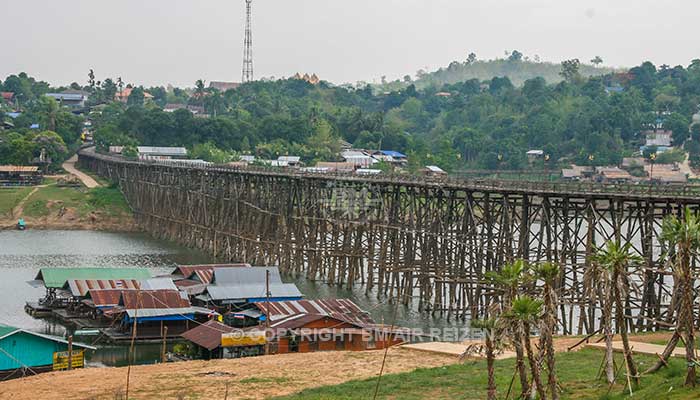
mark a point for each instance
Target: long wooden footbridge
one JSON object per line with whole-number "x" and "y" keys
{"x": 418, "y": 241}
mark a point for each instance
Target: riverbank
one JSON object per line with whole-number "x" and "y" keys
{"x": 53, "y": 207}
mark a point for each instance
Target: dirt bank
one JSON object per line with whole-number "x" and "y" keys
{"x": 69, "y": 219}
{"x": 248, "y": 378}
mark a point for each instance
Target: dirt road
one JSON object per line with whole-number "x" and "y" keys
{"x": 248, "y": 378}
{"x": 87, "y": 180}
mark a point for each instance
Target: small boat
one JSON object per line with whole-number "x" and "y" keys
{"x": 21, "y": 225}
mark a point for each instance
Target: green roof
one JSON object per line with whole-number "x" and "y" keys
{"x": 57, "y": 277}
{"x": 6, "y": 330}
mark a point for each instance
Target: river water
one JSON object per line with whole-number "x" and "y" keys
{"x": 22, "y": 254}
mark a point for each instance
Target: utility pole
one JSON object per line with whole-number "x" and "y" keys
{"x": 162, "y": 351}
{"x": 267, "y": 311}
{"x": 70, "y": 352}
{"x": 248, "y": 45}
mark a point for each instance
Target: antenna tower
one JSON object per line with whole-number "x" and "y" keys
{"x": 248, "y": 46}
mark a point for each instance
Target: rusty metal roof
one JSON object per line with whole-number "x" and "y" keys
{"x": 204, "y": 273}
{"x": 81, "y": 287}
{"x": 152, "y": 299}
{"x": 342, "y": 309}
{"x": 208, "y": 335}
{"x": 105, "y": 297}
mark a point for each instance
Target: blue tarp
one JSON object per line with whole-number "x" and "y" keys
{"x": 392, "y": 153}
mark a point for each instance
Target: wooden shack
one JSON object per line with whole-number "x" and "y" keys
{"x": 19, "y": 175}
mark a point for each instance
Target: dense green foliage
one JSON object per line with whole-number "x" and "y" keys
{"x": 478, "y": 123}
{"x": 516, "y": 67}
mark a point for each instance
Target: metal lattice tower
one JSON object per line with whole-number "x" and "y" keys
{"x": 248, "y": 46}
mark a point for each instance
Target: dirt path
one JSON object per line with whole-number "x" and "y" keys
{"x": 19, "y": 209}
{"x": 87, "y": 180}
{"x": 248, "y": 378}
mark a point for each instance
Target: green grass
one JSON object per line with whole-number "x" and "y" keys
{"x": 577, "y": 374}
{"x": 10, "y": 197}
{"x": 46, "y": 200}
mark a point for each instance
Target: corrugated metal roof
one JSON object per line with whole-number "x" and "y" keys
{"x": 17, "y": 168}
{"x": 245, "y": 276}
{"x": 208, "y": 335}
{"x": 81, "y": 287}
{"x": 203, "y": 272}
{"x": 57, "y": 277}
{"x": 105, "y": 297}
{"x": 162, "y": 151}
{"x": 145, "y": 299}
{"x": 191, "y": 287}
{"x": 158, "y": 284}
{"x": 252, "y": 291}
{"x": 162, "y": 312}
{"x": 343, "y": 309}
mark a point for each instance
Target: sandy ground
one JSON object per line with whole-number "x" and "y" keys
{"x": 248, "y": 378}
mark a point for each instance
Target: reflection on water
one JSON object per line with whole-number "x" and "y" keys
{"x": 22, "y": 254}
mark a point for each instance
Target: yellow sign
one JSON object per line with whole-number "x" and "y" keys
{"x": 60, "y": 360}
{"x": 243, "y": 339}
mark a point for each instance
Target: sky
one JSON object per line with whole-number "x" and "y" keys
{"x": 160, "y": 42}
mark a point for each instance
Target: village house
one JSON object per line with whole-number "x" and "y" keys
{"x": 123, "y": 96}
{"x": 20, "y": 175}
{"x": 71, "y": 98}
{"x": 325, "y": 325}
{"x": 659, "y": 139}
{"x": 612, "y": 175}
{"x": 341, "y": 167}
{"x": 391, "y": 157}
{"x": 665, "y": 173}
{"x": 224, "y": 86}
{"x": 433, "y": 170}
{"x": 290, "y": 161}
{"x": 29, "y": 353}
{"x": 215, "y": 340}
{"x": 358, "y": 158}
{"x": 193, "y": 279}
{"x": 577, "y": 173}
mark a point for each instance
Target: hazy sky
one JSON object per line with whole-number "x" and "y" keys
{"x": 178, "y": 41}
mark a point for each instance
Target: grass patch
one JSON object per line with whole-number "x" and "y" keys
{"x": 577, "y": 375}
{"x": 10, "y": 197}
{"x": 51, "y": 199}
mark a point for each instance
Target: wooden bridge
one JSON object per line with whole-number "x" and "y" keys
{"x": 418, "y": 241}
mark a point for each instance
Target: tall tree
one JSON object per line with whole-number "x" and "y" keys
{"x": 528, "y": 311}
{"x": 510, "y": 280}
{"x": 682, "y": 236}
{"x": 549, "y": 273}
{"x": 616, "y": 260}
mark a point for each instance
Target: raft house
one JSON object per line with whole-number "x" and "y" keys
{"x": 236, "y": 289}
{"x": 59, "y": 294}
{"x": 23, "y": 352}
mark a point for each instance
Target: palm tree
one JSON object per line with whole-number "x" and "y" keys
{"x": 598, "y": 287}
{"x": 548, "y": 273}
{"x": 510, "y": 279}
{"x": 527, "y": 310}
{"x": 488, "y": 326}
{"x": 616, "y": 259}
{"x": 682, "y": 236}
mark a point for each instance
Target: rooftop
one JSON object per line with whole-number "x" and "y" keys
{"x": 57, "y": 277}
{"x": 208, "y": 335}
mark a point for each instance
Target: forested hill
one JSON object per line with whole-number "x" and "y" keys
{"x": 516, "y": 67}
{"x": 470, "y": 124}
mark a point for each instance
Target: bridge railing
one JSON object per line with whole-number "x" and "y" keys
{"x": 640, "y": 189}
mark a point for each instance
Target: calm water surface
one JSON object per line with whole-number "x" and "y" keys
{"x": 22, "y": 254}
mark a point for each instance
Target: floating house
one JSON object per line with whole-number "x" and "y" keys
{"x": 55, "y": 281}
{"x": 23, "y": 352}
{"x": 234, "y": 288}
{"x": 194, "y": 279}
{"x": 152, "y": 310}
